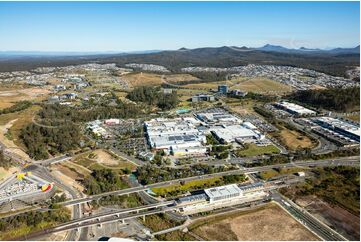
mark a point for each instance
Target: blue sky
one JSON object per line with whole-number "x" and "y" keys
{"x": 130, "y": 26}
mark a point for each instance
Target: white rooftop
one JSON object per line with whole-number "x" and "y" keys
{"x": 223, "y": 191}
{"x": 349, "y": 127}
{"x": 296, "y": 108}
{"x": 232, "y": 132}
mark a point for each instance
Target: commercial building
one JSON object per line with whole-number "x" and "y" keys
{"x": 70, "y": 96}
{"x": 223, "y": 89}
{"x": 112, "y": 121}
{"x": 344, "y": 128}
{"x": 97, "y": 130}
{"x": 203, "y": 97}
{"x": 179, "y": 136}
{"x": 222, "y": 196}
{"x": 236, "y": 133}
{"x": 217, "y": 116}
{"x": 187, "y": 135}
{"x": 224, "y": 192}
{"x": 294, "y": 109}
{"x": 239, "y": 93}
{"x": 59, "y": 88}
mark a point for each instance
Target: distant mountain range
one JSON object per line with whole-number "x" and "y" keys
{"x": 267, "y": 47}
{"x": 69, "y": 53}
{"x": 277, "y": 48}
{"x": 334, "y": 61}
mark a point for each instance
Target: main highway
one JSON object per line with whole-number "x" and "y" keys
{"x": 162, "y": 207}
{"x": 309, "y": 221}
{"x": 348, "y": 161}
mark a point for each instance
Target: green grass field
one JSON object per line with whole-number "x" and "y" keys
{"x": 260, "y": 85}
{"x": 283, "y": 171}
{"x": 254, "y": 150}
{"x": 255, "y": 84}
{"x": 192, "y": 185}
{"x": 86, "y": 160}
{"x": 355, "y": 117}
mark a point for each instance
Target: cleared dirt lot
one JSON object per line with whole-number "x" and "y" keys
{"x": 4, "y": 174}
{"x": 105, "y": 158}
{"x": 335, "y": 216}
{"x": 9, "y": 97}
{"x": 294, "y": 140}
{"x": 266, "y": 223}
{"x": 10, "y": 129}
{"x": 100, "y": 159}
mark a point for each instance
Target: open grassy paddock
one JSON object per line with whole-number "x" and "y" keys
{"x": 101, "y": 159}
{"x": 254, "y": 150}
{"x": 354, "y": 117}
{"x": 260, "y": 85}
{"x": 283, "y": 171}
{"x": 152, "y": 79}
{"x": 9, "y": 96}
{"x": 254, "y": 84}
{"x": 188, "y": 186}
{"x": 293, "y": 139}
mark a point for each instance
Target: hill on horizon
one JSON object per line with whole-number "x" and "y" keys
{"x": 334, "y": 62}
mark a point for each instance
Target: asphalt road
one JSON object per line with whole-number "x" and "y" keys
{"x": 316, "y": 226}
{"x": 351, "y": 161}
{"x": 44, "y": 173}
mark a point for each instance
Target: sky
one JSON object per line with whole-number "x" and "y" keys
{"x": 134, "y": 26}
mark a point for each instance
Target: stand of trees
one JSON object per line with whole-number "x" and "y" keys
{"x": 150, "y": 174}
{"x": 58, "y": 113}
{"x": 40, "y": 141}
{"x": 104, "y": 180}
{"x": 59, "y": 130}
{"x": 4, "y": 161}
{"x": 259, "y": 97}
{"x": 126, "y": 201}
{"x": 154, "y": 96}
{"x": 338, "y": 99}
{"x": 14, "y": 225}
{"x": 19, "y": 106}
{"x": 338, "y": 185}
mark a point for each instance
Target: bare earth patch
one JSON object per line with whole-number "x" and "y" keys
{"x": 334, "y": 216}
{"x": 9, "y": 144}
{"x": 270, "y": 223}
{"x": 4, "y": 174}
{"x": 105, "y": 158}
{"x": 9, "y": 97}
{"x": 67, "y": 176}
{"x": 294, "y": 140}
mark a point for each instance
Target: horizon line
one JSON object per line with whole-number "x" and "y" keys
{"x": 143, "y": 50}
